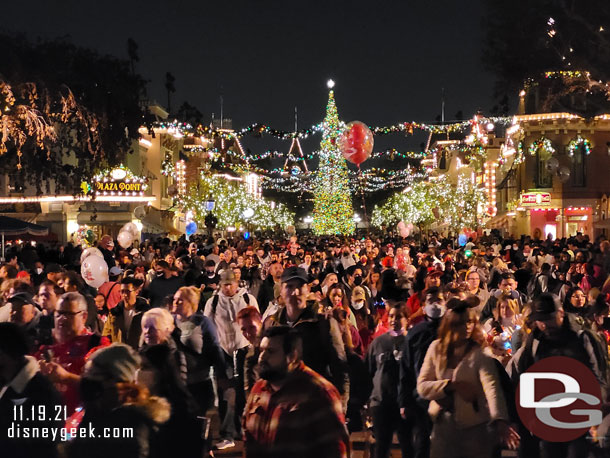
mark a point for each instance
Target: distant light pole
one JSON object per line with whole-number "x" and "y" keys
{"x": 308, "y": 220}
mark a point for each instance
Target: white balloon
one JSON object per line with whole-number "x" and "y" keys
{"x": 131, "y": 228}
{"x": 94, "y": 271}
{"x": 401, "y": 226}
{"x": 125, "y": 239}
{"x": 404, "y": 232}
{"x": 91, "y": 251}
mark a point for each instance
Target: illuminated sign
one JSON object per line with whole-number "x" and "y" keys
{"x": 119, "y": 181}
{"x": 534, "y": 199}
{"x": 119, "y": 186}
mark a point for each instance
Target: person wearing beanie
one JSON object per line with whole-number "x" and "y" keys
{"x": 113, "y": 399}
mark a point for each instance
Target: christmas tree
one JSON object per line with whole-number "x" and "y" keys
{"x": 332, "y": 212}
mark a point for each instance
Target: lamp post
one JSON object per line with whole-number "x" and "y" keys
{"x": 247, "y": 214}
{"x": 308, "y": 220}
{"x": 357, "y": 219}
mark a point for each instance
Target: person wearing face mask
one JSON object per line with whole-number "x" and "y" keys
{"x": 358, "y": 300}
{"x": 412, "y": 407}
{"x": 383, "y": 362}
{"x": 354, "y": 277}
{"x": 38, "y": 274}
{"x": 164, "y": 284}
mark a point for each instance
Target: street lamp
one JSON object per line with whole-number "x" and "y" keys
{"x": 308, "y": 220}
{"x": 248, "y": 213}
{"x": 357, "y": 219}
{"x": 209, "y": 205}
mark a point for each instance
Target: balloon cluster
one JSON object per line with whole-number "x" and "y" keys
{"x": 93, "y": 267}
{"x": 128, "y": 233}
{"x": 356, "y": 142}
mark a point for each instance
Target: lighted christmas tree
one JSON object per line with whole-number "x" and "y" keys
{"x": 332, "y": 211}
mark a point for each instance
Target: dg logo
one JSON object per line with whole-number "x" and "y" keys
{"x": 559, "y": 399}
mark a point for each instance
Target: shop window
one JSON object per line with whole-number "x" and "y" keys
{"x": 544, "y": 177}
{"x": 578, "y": 167}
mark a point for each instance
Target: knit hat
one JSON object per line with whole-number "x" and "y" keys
{"x": 117, "y": 362}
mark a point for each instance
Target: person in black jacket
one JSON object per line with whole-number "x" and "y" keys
{"x": 323, "y": 348}
{"x": 164, "y": 374}
{"x": 26, "y": 389}
{"x": 412, "y": 407}
{"x": 383, "y": 360}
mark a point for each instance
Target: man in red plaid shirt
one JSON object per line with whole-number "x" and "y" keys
{"x": 292, "y": 411}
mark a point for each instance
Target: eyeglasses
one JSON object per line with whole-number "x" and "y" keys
{"x": 67, "y": 313}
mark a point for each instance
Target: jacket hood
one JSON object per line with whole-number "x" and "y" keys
{"x": 155, "y": 408}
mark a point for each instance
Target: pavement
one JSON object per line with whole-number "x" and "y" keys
{"x": 360, "y": 443}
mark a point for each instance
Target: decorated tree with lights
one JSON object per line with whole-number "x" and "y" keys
{"x": 231, "y": 199}
{"x": 426, "y": 202}
{"x": 416, "y": 205}
{"x": 332, "y": 212}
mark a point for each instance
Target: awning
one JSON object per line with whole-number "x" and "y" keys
{"x": 13, "y": 226}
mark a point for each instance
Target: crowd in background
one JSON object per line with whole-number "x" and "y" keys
{"x": 300, "y": 341}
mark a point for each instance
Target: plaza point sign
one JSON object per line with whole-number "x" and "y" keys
{"x": 535, "y": 199}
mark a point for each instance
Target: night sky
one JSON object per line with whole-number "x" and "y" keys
{"x": 389, "y": 58}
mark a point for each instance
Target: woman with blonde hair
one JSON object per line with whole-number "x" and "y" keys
{"x": 198, "y": 336}
{"x": 463, "y": 385}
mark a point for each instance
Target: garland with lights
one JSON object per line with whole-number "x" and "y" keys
{"x": 167, "y": 166}
{"x": 579, "y": 142}
{"x": 542, "y": 144}
{"x": 332, "y": 212}
{"x": 259, "y": 129}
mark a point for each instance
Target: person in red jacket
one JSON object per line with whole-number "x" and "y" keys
{"x": 63, "y": 361}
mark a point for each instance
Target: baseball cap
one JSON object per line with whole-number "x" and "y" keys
{"x": 22, "y": 298}
{"x": 114, "y": 271}
{"x": 544, "y": 306}
{"x": 134, "y": 251}
{"x": 227, "y": 276}
{"x": 53, "y": 268}
{"x": 293, "y": 272}
{"x": 358, "y": 293}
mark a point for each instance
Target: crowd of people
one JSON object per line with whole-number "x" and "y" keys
{"x": 298, "y": 342}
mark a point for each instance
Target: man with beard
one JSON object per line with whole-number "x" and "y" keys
{"x": 552, "y": 336}
{"x": 292, "y": 411}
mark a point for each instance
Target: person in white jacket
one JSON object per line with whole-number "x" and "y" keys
{"x": 222, "y": 308}
{"x": 463, "y": 385}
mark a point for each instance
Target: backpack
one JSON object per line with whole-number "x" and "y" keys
{"x": 533, "y": 287}
{"x": 216, "y": 299}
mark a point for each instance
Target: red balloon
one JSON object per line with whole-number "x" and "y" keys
{"x": 356, "y": 142}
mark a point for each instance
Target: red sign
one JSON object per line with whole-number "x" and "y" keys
{"x": 533, "y": 199}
